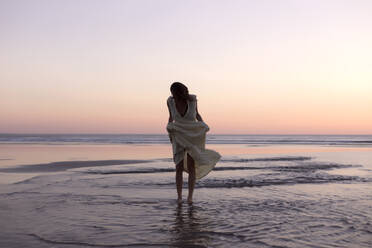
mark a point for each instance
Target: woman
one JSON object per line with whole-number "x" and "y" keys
{"x": 187, "y": 133}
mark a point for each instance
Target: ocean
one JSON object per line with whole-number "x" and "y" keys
{"x": 118, "y": 190}
{"x": 163, "y": 139}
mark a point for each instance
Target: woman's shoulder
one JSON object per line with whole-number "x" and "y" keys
{"x": 192, "y": 98}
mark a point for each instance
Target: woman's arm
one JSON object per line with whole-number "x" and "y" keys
{"x": 170, "y": 115}
{"x": 198, "y": 116}
{"x": 169, "y": 120}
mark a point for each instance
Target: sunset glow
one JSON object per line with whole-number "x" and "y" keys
{"x": 257, "y": 67}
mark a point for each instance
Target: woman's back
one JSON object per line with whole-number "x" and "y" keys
{"x": 189, "y": 113}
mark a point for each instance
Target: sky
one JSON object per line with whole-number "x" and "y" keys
{"x": 257, "y": 67}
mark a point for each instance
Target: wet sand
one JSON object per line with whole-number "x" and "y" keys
{"x": 124, "y": 195}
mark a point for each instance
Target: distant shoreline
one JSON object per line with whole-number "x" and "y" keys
{"x": 96, "y": 139}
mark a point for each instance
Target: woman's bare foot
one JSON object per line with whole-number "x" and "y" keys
{"x": 189, "y": 200}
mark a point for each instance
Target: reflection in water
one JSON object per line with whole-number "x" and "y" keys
{"x": 189, "y": 227}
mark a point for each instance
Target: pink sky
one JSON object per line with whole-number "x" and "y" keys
{"x": 257, "y": 67}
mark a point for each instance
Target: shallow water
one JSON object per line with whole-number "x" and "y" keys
{"x": 293, "y": 199}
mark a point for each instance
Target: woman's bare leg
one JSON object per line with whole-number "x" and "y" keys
{"x": 179, "y": 180}
{"x": 191, "y": 169}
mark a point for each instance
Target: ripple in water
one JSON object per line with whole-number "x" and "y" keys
{"x": 276, "y": 202}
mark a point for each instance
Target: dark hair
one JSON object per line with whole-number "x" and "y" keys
{"x": 179, "y": 91}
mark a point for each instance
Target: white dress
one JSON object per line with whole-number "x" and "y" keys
{"x": 188, "y": 137}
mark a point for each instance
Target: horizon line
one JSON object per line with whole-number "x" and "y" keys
{"x": 75, "y": 133}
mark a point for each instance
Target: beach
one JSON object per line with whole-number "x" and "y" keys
{"x": 119, "y": 191}
{"x": 94, "y": 92}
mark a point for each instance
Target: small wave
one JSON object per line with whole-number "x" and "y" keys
{"x": 259, "y": 182}
{"x": 141, "y": 171}
{"x": 165, "y": 159}
{"x": 66, "y": 165}
{"x": 272, "y": 159}
{"x": 311, "y": 167}
{"x": 57, "y": 242}
{"x": 308, "y": 167}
